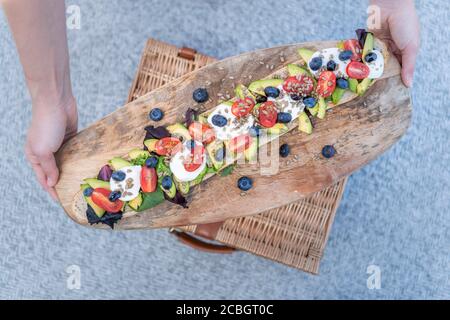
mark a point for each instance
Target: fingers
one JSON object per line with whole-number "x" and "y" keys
{"x": 41, "y": 174}
{"x": 48, "y": 165}
{"x": 409, "y": 56}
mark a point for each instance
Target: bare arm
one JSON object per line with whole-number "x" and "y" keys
{"x": 39, "y": 30}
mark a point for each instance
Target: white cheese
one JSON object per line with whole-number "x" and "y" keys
{"x": 376, "y": 67}
{"x": 328, "y": 55}
{"x": 177, "y": 163}
{"x": 130, "y": 186}
{"x": 286, "y": 104}
{"x": 234, "y": 127}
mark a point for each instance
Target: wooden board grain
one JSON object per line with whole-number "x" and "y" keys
{"x": 360, "y": 129}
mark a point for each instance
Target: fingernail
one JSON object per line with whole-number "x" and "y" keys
{"x": 50, "y": 182}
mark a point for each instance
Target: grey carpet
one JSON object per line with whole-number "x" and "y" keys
{"x": 395, "y": 213}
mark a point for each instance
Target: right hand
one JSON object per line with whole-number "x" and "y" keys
{"x": 51, "y": 125}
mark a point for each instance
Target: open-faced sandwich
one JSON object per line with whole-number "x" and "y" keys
{"x": 177, "y": 157}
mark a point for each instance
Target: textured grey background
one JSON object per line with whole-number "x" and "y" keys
{"x": 395, "y": 212}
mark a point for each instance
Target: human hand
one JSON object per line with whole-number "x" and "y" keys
{"x": 51, "y": 125}
{"x": 400, "y": 29}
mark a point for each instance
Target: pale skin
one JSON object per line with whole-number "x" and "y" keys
{"x": 39, "y": 30}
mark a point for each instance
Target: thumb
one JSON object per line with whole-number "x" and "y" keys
{"x": 48, "y": 165}
{"x": 409, "y": 56}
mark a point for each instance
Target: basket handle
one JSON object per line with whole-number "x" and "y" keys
{"x": 203, "y": 231}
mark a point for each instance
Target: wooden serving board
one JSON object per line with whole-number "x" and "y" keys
{"x": 360, "y": 129}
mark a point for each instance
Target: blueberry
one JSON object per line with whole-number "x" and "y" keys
{"x": 315, "y": 63}
{"x": 342, "y": 83}
{"x": 371, "y": 57}
{"x": 118, "y": 175}
{"x": 284, "y": 117}
{"x": 345, "y": 55}
{"x": 220, "y": 154}
{"x": 261, "y": 99}
{"x": 245, "y": 183}
{"x": 219, "y": 120}
{"x": 296, "y": 97}
{"x": 114, "y": 196}
{"x": 328, "y": 151}
{"x": 151, "y": 162}
{"x": 284, "y": 150}
{"x": 200, "y": 95}
{"x": 254, "y": 131}
{"x": 272, "y": 92}
{"x": 166, "y": 182}
{"x": 331, "y": 65}
{"x": 156, "y": 114}
{"x": 310, "y": 102}
{"x": 88, "y": 192}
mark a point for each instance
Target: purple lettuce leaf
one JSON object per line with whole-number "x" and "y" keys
{"x": 178, "y": 199}
{"x": 105, "y": 173}
{"x": 190, "y": 116}
{"x": 361, "y": 34}
{"x": 153, "y": 132}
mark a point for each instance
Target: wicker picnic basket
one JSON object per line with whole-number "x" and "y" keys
{"x": 295, "y": 234}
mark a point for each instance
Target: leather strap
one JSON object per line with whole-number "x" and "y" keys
{"x": 187, "y": 53}
{"x": 206, "y": 231}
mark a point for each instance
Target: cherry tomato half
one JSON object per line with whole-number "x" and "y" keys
{"x": 357, "y": 70}
{"x": 168, "y": 146}
{"x": 201, "y": 132}
{"x": 300, "y": 84}
{"x": 100, "y": 197}
{"x": 354, "y": 46}
{"x": 148, "y": 179}
{"x": 195, "y": 159}
{"x": 326, "y": 83}
{"x": 267, "y": 114}
{"x": 242, "y": 107}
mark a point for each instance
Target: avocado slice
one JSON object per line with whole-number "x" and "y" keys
{"x": 294, "y": 70}
{"x": 171, "y": 192}
{"x": 181, "y": 186}
{"x": 138, "y": 153}
{"x": 118, "y": 163}
{"x": 179, "y": 131}
{"x": 277, "y": 129}
{"x": 322, "y": 108}
{"x": 305, "y": 54}
{"x": 314, "y": 110}
{"x": 98, "y": 211}
{"x": 258, "y": 86}
{"x": 136, "y": 202}
{"x": 363, "y": 86}
{"x": 304, "y": 124}
{"x": 202, "y": 119}
{"x": 213, "y": 148}
{"x": 251, "y": 153}
{"x": 242, "y": 92}
{"x": 337, "y": 95}
{"x": 352, "y": 84}
{"x": 199, "y": 178}
{"x": 96, "y": 183}
{"x": 368, "y": 45}
{"x": 150, "y": 144}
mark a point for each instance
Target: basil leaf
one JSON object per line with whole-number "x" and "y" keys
{"x": 151, "y": 199}
{"x": 227, "y": 171}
